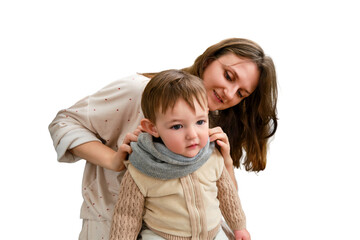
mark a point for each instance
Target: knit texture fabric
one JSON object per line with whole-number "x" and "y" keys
{"x": 230, "y": 202}
{"x": 156, "y": 160}
{"x": 127, "y": 220}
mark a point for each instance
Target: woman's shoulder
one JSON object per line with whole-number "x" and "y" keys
{"x": 132, "y": 82}
{"x": 127, "y": 87}
{"x": 136, "y": 77}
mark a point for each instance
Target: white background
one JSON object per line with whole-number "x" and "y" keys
{"x": 52, "y": 53}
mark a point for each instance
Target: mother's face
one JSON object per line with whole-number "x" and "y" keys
{"x": 228, "y": 80}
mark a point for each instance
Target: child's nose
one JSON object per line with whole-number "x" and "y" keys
{"x": 191, "y": 133}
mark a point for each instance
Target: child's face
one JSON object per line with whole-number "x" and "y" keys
{"x": 183, "y": 130}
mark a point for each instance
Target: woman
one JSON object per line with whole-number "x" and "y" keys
{"x": 241, "y": 86}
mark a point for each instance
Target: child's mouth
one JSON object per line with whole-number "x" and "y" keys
{"x": 192, "y": 146}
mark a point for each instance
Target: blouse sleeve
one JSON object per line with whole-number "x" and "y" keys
{"x": 230, "y": 204}
{"x": 99, "y": 117}
{"x": 127, "y": 219}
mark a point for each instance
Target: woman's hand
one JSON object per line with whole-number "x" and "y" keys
{"x": 218, "y": 135}
{"x": 125, "y": 148}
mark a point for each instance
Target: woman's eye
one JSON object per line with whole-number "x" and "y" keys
{"x": 227, "y": 76}
{"x": 176, "y": 127}
{"x": 239, "y": 93}
{"x": 200, "y": 122}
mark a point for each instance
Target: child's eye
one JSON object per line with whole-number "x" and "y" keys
{"x": 176, "y": 127}
{"x": 200, "y": 122}
{"x": 239, "y": 93}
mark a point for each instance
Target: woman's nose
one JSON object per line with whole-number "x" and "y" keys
{"x": 230, "y": 92}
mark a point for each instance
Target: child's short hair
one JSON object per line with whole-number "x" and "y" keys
{"x": 166, "y": 87}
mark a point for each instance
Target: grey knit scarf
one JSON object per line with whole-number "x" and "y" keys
{"x": 156, "y": 160}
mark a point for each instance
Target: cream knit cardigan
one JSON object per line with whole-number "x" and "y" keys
{"x": 185, "y": 208}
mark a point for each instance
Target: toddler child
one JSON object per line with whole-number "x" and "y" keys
{"x": 175, "y": 180}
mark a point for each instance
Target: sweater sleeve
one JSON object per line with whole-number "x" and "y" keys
{"x": 127, "y": 218}
{"x": 70, "y": 128}
{"x": 230, "y": 204}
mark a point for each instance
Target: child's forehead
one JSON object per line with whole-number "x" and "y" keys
{"x": 202, "y": 102}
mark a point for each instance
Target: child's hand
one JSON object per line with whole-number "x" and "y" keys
{"x": 242, "y": 235}
{"x": 222, "y": 141}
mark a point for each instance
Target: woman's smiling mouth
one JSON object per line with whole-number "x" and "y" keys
{"x": 218, "y": 97}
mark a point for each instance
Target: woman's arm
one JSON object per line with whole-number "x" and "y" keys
{"x": 101, "y": 155}
{"x": 92, "y": 127}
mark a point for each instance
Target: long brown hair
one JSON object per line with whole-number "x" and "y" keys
{"x": 251, "y": 123}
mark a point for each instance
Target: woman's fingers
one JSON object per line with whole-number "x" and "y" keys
{"x": 218, "y": 134}
{"x": 140, "y": 129}
{"x": 125, "y": 148}
{"x": 130, "y": 137}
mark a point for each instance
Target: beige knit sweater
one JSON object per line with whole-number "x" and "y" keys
{"x": 187, "y": 208}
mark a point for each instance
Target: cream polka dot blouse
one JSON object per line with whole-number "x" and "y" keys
{"x": 106, "y": 116}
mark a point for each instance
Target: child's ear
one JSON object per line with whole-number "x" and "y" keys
{"x": 149, "y": 127}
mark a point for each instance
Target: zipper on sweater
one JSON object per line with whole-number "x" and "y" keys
{"x": 196, "y": 208}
